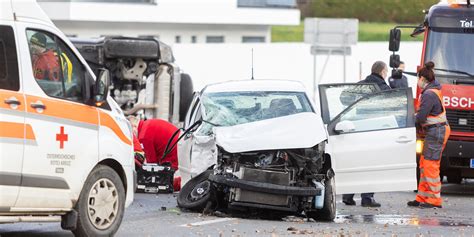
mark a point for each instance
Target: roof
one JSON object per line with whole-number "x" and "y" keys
{"x": 256, "y": 85}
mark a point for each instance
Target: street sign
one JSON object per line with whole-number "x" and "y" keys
{"x": 331, "y": 50}
{"x": 331, "y": 31}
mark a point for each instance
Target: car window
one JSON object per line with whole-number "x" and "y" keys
{"x": 9, "y": 79}
{"x": 232, "y": 108}
{"x": 56, "y": 69}
{"x": 340, "y": 96}
{"x": 386, "y": 110}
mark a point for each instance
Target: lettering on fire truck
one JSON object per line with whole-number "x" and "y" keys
{"x": 461, "y": 102}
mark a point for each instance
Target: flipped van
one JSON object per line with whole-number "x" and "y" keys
{"x": 65, "y": 146}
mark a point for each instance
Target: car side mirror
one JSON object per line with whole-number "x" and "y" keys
{"x": 101, "y": 88}
{"x": 344, "y": 127}
{"x": 394, "y": 42}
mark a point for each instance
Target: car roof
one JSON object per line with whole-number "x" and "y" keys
{"x": 255, "y": 85}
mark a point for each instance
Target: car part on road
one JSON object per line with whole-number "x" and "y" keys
{"x": 196, "y": 193}
{"x": 101, "y": 204}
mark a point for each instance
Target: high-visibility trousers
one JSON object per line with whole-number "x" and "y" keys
{"x": 429, "y": 187}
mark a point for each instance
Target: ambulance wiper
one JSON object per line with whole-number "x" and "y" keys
{"x": 455, "y": 71}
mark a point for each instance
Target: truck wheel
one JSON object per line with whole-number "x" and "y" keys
{"x": 186, "y": 95}
{"x": 196, "y": 193}
{"x": 454, "y": 178}
{"x": 101, "y": 203}
{"x": 328, "y": 212}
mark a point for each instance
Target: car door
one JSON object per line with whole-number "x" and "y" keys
{"x": 14, "y": 134}
{"x": 65, "y": 125}
{"x": 372, "y": 142}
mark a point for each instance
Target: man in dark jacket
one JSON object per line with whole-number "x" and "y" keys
{"x": 379, "y": 73}
{"x": 401, "y": 82}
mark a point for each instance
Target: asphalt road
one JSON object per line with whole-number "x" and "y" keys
{"x": 157, "y": 215}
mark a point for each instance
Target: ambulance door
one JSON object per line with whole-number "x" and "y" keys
{"x": 66, "y": 126}
{"x": 12, "y": 120}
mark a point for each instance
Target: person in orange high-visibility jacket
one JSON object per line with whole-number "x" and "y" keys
{"x": 45, "y": 61}
{"x": 431, "y": 119}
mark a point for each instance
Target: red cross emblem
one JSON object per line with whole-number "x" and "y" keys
{"x": 61, "y": 137}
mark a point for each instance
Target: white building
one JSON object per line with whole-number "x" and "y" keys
{"x": 174, "y": 21}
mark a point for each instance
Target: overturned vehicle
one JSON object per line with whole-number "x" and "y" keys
{"x": 261, "y": 145}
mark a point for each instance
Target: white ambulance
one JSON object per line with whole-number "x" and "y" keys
{"x": 65, "y": 146}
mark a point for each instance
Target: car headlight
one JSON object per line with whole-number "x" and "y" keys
{"x": 419, "y": 146}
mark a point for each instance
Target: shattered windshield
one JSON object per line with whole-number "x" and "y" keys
{"x": 233, "y": 108}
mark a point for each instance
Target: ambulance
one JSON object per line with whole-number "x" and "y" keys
{"x": 65, "y": 145}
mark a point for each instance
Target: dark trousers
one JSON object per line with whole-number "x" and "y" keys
{"x": 366, "y": 197}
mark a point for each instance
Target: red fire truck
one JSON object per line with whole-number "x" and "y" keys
{"x": 448, "y": 31}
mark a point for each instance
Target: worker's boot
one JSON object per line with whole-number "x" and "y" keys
{"x": 413, "y": 203}
{"x": 428, "y": 205}
{"x": 370, "y": 203}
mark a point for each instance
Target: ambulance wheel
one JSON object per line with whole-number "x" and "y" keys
{"x": 196, "y": 193}
{"x": 328, "y": 212}
{"x": 454, "y": 178}
{"x": 101, "y": 204}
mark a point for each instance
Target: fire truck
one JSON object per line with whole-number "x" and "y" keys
{"x": 448, "y": 31}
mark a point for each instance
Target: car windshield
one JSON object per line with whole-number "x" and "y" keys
{"x": 447, "y": 48}
{"x": 233, "y": 108}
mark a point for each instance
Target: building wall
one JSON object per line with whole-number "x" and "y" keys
{"x": 165, "y": 32}
{"x": 168, "y": 19}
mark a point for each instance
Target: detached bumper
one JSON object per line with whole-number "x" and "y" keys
{"x": 268, "y": 188}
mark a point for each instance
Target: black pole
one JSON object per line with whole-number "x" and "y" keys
{"x": 252, "y": 64}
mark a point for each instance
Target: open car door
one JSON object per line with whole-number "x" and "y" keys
{"x": 372, "y": 137}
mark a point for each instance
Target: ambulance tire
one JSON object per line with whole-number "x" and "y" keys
{"x": 186, "y": 95}
{"x": 106, "y": 183}
{"x": 196, "y": 193}
{"x": 328, "y": 212}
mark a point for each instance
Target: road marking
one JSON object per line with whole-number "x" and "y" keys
{"x": 201, "y": 223}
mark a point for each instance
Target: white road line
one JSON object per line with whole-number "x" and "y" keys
{"x": 207, "y": 222}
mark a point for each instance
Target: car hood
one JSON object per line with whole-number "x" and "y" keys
{"x": 302, "y": 130}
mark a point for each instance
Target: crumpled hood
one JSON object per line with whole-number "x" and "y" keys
{"x": 302, "y": 130}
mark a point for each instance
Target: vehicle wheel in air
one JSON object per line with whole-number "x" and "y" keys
{"x": 454, "y": 178}
{"x": 196, "y": 193}
{"x": 101, "y": 204}
{"x": 328, "y": 212}
{"x": 186, "y": 95}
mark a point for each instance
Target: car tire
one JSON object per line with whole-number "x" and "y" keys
{"x": 101, "y": 203}
{"x": 196, "y": 193}
{"x": 328, "y": 212}
{"x": 454, "y": 178}
{"x": 185, "y": 94}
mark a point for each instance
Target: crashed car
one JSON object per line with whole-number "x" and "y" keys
{"x": 260, "y": 144}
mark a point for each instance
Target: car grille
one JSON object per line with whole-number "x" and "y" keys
{"x": 455, "y": 116}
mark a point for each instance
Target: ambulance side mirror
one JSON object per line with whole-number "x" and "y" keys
{"x": 101, "y": 88}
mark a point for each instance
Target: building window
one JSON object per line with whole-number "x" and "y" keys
{"x": 253, "y": 39}
{"x": 214, "y": 39}
{"x": 193, "y": 39}
{"x": 177, "y": 39}
{"x": 267, "y": 3}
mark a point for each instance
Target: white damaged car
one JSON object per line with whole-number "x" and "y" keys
{"x": 260, "y": 144}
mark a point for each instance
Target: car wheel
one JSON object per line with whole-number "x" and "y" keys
{"x": 101, "y": 204}
{"x": 454, "y": 178}
{"x": 196, "y": 193}
{"x": 328, "y": 212}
